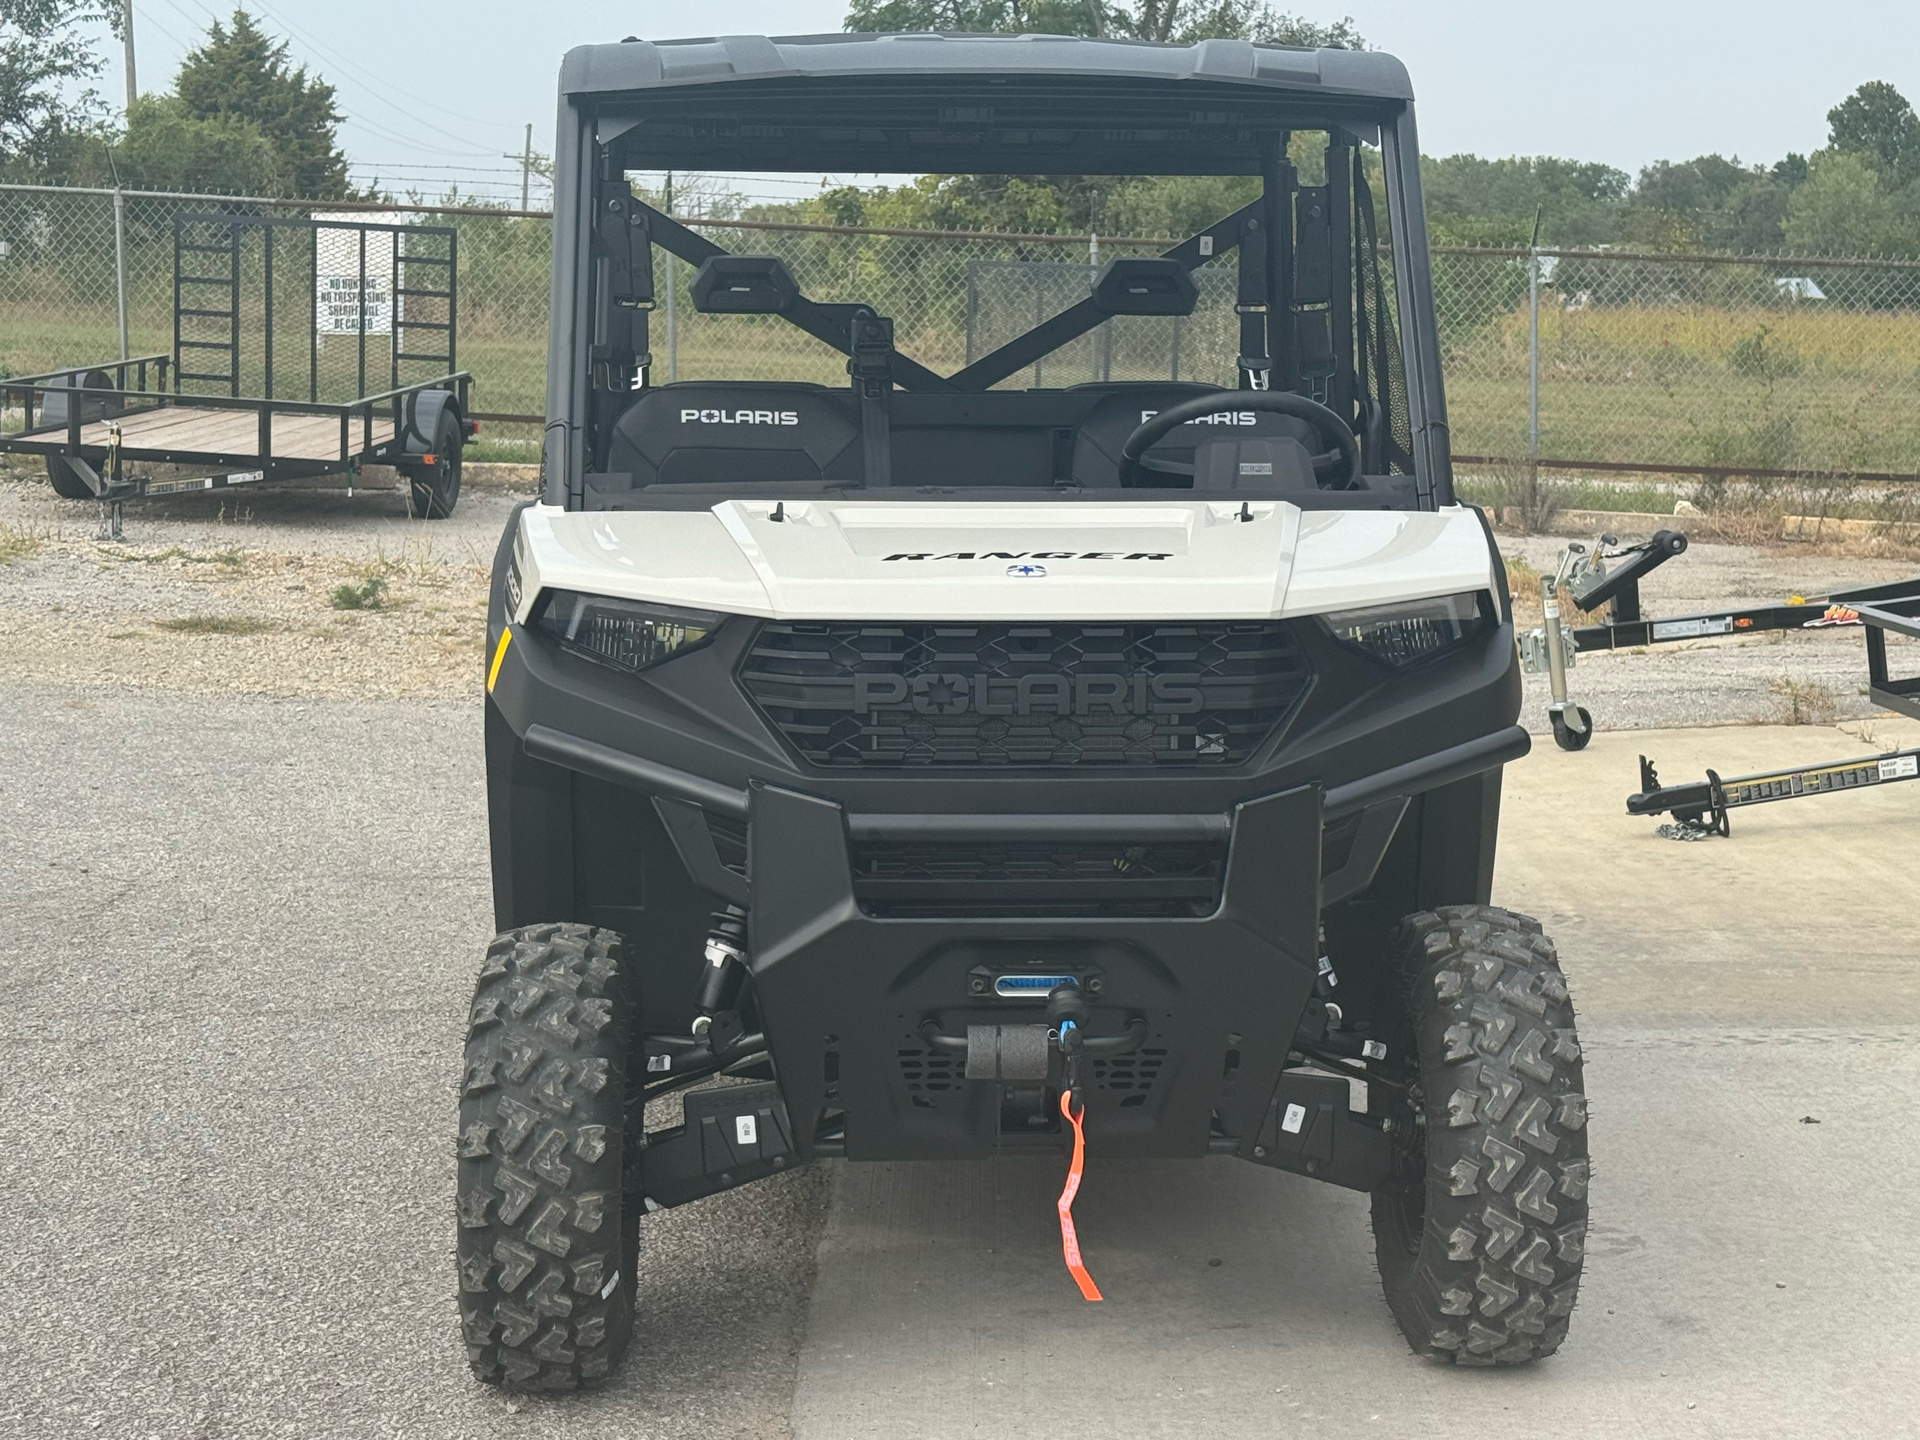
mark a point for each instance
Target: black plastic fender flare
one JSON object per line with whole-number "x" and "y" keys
{"x": 421, "y": 421}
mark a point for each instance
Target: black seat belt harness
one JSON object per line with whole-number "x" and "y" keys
{"x": 619, "y": 356}
{"x": 870, "y": 363}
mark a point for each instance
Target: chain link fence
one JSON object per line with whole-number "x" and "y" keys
{"x": 1580, "y": 360}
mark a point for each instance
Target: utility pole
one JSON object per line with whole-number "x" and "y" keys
{"x": 525, "y": 157}
{"x": 126, "y": 29}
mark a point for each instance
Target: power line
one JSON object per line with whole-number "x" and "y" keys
{"x": 368, "y": 77}
{"x": 369, "y": 91}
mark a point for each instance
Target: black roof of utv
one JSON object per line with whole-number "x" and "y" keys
{"x": 1012, "y": 103}
{"x": 647, "y": 64}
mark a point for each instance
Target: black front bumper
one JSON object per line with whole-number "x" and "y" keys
{"x": 847, "y": 997}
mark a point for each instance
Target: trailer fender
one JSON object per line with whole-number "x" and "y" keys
{"x": 422, "y": 419}
{"x": 56, "y": 408}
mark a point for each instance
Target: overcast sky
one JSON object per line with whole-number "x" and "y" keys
{"x": 441, "y": 92}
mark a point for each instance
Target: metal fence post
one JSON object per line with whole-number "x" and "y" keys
{"x": 673, "y": 329}
{"x": 120, "y": 263}
{"x": 1533, "y": 371}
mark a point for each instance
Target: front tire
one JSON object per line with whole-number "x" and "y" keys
{"x": 1481, "y": 1230}
{"x": 547, "y": 1240}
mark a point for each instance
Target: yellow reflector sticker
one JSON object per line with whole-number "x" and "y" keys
{"x": 499, "y": 654}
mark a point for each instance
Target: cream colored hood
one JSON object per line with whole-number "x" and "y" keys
{"x": 1129, "y": 560}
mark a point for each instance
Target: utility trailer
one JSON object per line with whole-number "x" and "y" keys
{"x": 278, "y": 326}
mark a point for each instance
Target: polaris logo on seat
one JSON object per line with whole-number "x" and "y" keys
{"x": 739, "y": 417}
{"x": 1224, "y": 417}
{"x": 1084, "y": 696}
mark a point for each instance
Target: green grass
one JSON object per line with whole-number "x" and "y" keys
{"x": 217, "y": 625}
{"x": 368, "y": 594}
{"x": 19, "y": 543}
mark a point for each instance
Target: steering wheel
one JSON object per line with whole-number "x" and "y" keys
{"x": 1341, "y": 463}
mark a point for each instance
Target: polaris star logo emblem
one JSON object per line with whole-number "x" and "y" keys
{"x": 1027, "y": 572}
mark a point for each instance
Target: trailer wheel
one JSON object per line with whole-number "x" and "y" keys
{"x": 66, "y": 484}
{"x": 1479, "y": 1232}
{"x": 436, "y": 487}
{"x": 547, "y": 1238}
{"x": 1572, "y": 727}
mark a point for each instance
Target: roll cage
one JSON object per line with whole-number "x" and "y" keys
{"x": 1315, "y": 312}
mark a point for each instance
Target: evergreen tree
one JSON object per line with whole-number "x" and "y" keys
{"x": 241, "y": 74}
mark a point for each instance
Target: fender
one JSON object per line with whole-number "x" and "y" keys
{"x": 421, "y": 419}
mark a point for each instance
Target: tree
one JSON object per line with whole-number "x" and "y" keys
{"x": 1844, "y": 207}
{"x": 167, "y": 147}
{"x": 1472, "y": 201}
{"x": 241, "y": 75}
{"x": 1708, "y": 202}
{"x": 1877, "y": 124}
{"x": 44, "y": 53}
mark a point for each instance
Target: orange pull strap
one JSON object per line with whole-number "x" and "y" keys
{"x": 1069, "y": 1241}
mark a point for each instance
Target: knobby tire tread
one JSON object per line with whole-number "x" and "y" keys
{"x": 546, "y": 1237}
{"x": 1501, "y": 1159}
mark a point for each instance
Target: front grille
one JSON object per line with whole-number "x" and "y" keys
{"x": 994, "y": 695}
{"x": 1034, "y": 877}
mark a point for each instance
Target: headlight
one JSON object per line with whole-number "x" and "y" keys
{"x": 626, "y": 634}
{"x": 1405, "y": 634}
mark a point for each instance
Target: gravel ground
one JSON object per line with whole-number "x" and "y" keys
{"x": 238, "y": 971}
{"x": 159, "y": 612}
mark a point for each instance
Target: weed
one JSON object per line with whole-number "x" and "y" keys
{"x": 1803, "y": 702}
{"x": 216, "y": 625}
{"x": 233, "y": 560}
{"x": 369, "y": 594}
{"x": 19, "y": 543}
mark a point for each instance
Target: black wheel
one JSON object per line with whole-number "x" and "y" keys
{"x": 547, "y": 1238}
{"x": 66, "y": 484}
{"x": 1572, "y": 733}
{"x": 1481, "y": 1229}
{"x": 436, "y": 487}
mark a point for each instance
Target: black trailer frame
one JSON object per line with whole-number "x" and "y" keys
{"x": 96, "y": 418}
{"x": 1701, "y": 807}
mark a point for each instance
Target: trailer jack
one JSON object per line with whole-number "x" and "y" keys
{"x": 1583, "y": 572}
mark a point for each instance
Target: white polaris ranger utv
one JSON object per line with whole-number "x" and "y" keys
{"x": 961, "y": 764}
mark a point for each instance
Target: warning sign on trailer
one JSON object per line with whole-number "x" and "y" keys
{"x": 338, "y": 307}
{"x": 348, "y": 260}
